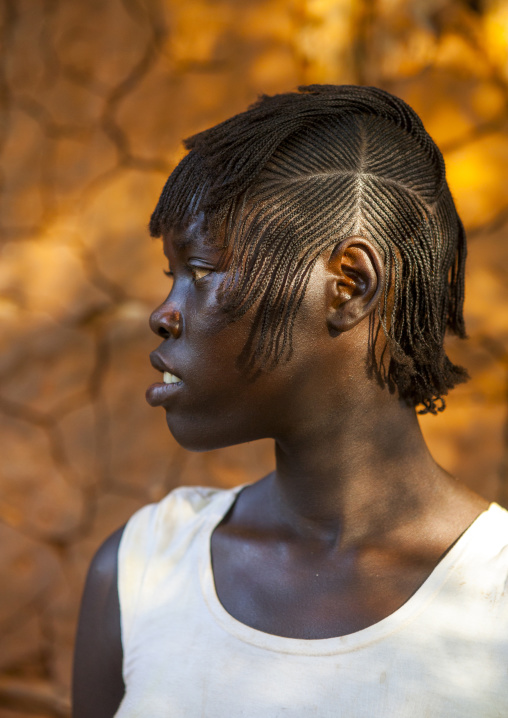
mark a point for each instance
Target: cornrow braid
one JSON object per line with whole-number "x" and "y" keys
{"x": 296, "y": 174}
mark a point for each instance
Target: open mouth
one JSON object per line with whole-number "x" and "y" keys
{"x": 171, "y": 378}
{"x": 162, "y": 392}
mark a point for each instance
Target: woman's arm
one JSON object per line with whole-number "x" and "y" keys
{"x": 98, "y": 685}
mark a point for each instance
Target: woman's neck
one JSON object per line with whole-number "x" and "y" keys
{"x": 355, "y": 475}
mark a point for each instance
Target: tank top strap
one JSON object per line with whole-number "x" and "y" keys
{"x": 159, "y": 529}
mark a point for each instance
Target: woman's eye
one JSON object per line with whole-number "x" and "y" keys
{"x": 199, "y": 272}
{"x": 168, "y": 272}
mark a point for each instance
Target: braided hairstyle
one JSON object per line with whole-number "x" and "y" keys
{"x": 297, "y": 173}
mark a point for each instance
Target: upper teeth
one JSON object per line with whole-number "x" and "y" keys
{"x": 171, "y": 378}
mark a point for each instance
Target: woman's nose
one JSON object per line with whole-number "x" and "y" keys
{"x": 166, "y": 321}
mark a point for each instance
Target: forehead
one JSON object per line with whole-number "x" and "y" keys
{"x": 180, "y": 238}
{"x": 192, "y": 237}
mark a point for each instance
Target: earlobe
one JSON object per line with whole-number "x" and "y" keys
{"x": 356, "y": 278}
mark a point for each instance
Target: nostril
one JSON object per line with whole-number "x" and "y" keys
{"x": 166, "y": 322}
{"x": 164, "y": 333}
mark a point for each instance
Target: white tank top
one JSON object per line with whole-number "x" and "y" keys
{"x": 443, "y": 654}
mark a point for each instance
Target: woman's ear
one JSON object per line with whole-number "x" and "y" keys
{"x": 356, "y": 279}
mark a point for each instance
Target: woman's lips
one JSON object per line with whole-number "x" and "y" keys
{"x": 161, "y": 392}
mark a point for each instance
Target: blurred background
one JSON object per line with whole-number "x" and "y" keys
{"x": 96, "y": 96}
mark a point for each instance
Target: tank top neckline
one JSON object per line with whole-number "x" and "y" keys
{"x": 339, "y": 644}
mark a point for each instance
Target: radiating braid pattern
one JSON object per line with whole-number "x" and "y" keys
{"x": 296, "y": 174}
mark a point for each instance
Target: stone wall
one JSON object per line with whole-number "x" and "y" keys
{"x": 96, "y": 97}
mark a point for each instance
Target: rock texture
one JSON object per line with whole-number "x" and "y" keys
{"x": 96, "y": 97}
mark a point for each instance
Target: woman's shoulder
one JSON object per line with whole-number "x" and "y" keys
{"x": 97, "y": 677}
{"x": 157, "y": 538}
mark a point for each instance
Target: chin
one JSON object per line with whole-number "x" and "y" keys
{"x": 198, "y": 436}
{"x": 194, "y": 436}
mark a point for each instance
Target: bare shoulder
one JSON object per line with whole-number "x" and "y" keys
{"x": 98, "y": 685}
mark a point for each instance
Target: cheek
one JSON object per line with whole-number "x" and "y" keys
{"x": 221, "y": 407}
{"x": 216, "y": 342}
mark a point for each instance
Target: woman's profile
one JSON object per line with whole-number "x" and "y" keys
{"x": 316, "y": 261}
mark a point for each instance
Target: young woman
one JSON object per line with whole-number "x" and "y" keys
{"x": 316, "y": 259}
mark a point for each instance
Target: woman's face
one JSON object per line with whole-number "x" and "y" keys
{"x": 209, "y": 402}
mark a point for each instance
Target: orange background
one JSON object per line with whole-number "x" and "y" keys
{"x": 96, "y": 96}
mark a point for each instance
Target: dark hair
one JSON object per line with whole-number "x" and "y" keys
{"x": 297, "y": 173}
